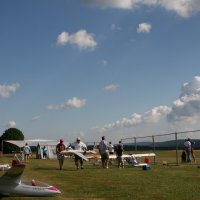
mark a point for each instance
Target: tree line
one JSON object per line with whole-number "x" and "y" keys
{"x": 10, "y": 134}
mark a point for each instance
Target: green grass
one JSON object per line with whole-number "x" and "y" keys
{"x": 161, "y": 182}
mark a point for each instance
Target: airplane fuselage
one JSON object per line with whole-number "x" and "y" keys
{"x": 28, "y": 190}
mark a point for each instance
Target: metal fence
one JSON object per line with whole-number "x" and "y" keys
{"x": 172, "y": 141}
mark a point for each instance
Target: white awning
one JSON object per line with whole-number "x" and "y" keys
{"x": 34, "y": 142}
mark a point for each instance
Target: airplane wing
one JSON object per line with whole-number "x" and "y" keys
{"x": 139, "y": 155}
{"x": 112, "y": 156}
{"x": 81, "y": 155}
{"x": 93, "y": 156}
{"x": 74, "y": 152}
{"x": 91, "y": 152}
{"x": 13, "y": 175}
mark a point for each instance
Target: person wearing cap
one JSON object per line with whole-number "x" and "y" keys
{"x": 80, "y": 146}
{"x": 27, "y": 152}
{"x": 103, "y": 150}
{"x": 60, "y": 147}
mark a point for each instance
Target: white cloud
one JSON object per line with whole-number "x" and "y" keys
{"x": 81, "y": 38}
{"x": 191, "y": 88}
{"x": 187, "y": 107}
{"x": 104, "y": 62}
{"x": 152, "y": 116}
{"x": 35, "y": 118}
{"x": 114, "y": 27}
{"x": 183, "y": 8}
{"x": 70, "y": 103}
{"x": 111, "y": 88}
{"x": 63, "y": 38}
{"x": 7, "y": 90}
{"x": 144, "y": 28}
{"x": 11, "y": 124}
{"x": 125, "y": 4}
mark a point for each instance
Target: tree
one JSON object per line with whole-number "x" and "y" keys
{"x": 11, "y": 134}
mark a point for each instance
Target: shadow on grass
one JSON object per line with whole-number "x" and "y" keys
{"x": 56, "y": 169}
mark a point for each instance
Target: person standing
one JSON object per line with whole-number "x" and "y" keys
{"x": 60, "y": 147}
{"x": 119, "y": 152}
{"x": 20, "y": 156}
{"x": 111, "y": 151}
{"x": 44, "y": 152}
{"x": 80, "y": 146}
{"x": 187, "y": 147}
{"x": 38, "y": 152}
{"x": 111, "y": 148}
{"x": 103, "y": 150}
{"x": 27, "y": 152}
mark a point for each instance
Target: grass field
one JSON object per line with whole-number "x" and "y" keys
{"x": 161, "y": 182}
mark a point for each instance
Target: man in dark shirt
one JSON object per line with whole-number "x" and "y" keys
{"x": 119, "y": 152}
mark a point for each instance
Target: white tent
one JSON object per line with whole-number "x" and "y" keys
{"x": 50, "y": 145}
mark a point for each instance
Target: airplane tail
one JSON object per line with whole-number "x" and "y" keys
{"x": 13, "y": 175}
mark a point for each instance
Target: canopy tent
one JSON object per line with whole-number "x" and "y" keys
{"x": 33, "y": 142}
{"x": 39, "y": 143}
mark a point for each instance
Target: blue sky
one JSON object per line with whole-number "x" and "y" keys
{"x": 94, "y": 67}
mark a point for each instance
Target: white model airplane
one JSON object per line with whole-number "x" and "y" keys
{"x": 140, "y": 155}
{"x": 4, "y": 167}
{"x": 133, "y": 158}
{"x": 82, "y": 154}
{"x": 12, "y": 185}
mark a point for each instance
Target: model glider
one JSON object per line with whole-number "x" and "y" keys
{"x": 4, "y": 167}
{"x": 139, "y": 155}
{"x": 12, "y": 185}
{"x": 133, "y": 158}
{"x": 82, "y": 154}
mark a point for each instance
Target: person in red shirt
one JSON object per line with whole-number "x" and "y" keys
{"x": 60, "y": 147}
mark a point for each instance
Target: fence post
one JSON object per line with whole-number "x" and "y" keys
{"x": 176, "y": 138}
{"x": 135, "y": 143}
{"x": 153, "y": 140}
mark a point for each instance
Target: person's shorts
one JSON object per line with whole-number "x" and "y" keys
{"x": 105, "y": 156}
{"x": 120, "y": 159}
{"x": 60, "y": 156}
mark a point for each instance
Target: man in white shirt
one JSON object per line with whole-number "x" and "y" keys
{"x": 78, "y": 145}
{"x": 187, "y": 147}
{"x": 103, "y": 150}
